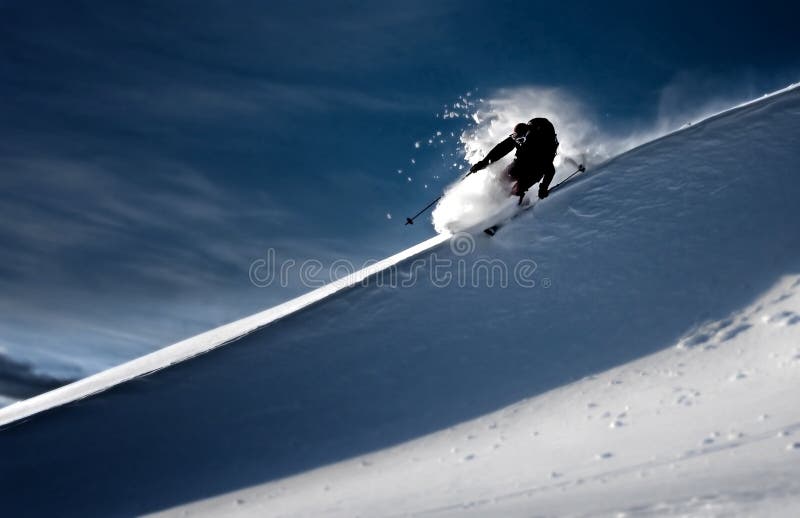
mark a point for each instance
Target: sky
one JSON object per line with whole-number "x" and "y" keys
{"x": 151, "y": 152}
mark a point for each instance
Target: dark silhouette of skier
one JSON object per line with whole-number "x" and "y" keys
{"x": 536, "y": 146}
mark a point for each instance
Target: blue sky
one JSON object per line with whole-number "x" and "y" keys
{"x": 151, "y": 151}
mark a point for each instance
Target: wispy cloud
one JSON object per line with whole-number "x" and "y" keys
{"x": 99, "y": 265}
{"x": 142, "y": 171}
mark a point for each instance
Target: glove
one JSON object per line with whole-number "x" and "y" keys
{"x": 477, "y": 167}
{"x": 543, "y": 192}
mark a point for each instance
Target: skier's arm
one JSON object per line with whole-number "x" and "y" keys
{"x": 498, "y": 152}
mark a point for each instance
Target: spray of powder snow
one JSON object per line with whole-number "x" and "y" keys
{"x": 483, "y": 197}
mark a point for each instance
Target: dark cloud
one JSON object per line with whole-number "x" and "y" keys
{"x": 21, "y": 381}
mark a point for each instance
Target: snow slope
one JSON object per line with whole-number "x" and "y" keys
{"x": 710, "y": 428}
{"x": 642, "y": 358}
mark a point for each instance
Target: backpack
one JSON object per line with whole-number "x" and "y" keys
{"x": 542, "y": 137}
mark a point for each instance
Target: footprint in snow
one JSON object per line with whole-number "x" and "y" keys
{"x": 784, "y": 318}
{"x": 730, "y": 334}
{"x": 738, "y": 376}
{"x": 688, "y": 397}
{"x": 707, "y": 334}
{"x": 694, "y": 341}
{"x": 604, "y": 455}
{"x": 781, "y": 298}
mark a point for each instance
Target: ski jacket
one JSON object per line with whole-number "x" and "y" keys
{"x": 535, "y": 148}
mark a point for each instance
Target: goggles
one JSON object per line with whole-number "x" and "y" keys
{"x": 520, "y": 137}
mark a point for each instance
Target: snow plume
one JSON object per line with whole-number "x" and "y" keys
{"x": 577, "y": 134}
{"x": 477, "y": 199}
{"x": 483, "y": 197}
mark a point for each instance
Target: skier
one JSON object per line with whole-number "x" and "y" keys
{"x": 536, "y": 145}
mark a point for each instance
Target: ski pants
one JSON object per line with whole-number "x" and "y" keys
{"x": 523, "y": 174}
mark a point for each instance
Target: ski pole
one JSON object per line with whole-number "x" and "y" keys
{"x": 410, "y": 221}
{"x": 565, "y": 180}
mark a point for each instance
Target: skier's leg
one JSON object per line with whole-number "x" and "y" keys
{"x": 508, "y": 174}
{"x": 525, "y": 179}
{"x": 548, "y": 171}
{"x": 516, "y": 175}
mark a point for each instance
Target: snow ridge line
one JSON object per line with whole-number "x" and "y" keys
{"x": 690, "y": 125}
{"x": 199, "y": 344}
